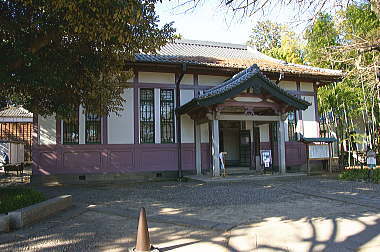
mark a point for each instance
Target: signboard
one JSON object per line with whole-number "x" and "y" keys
{"x": 319, "y": 151}
{"x": 371, "y": 159}
{"x": 266, "y": 158}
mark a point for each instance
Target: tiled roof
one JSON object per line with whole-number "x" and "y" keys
{"x": 15, "y": 111}
{"x": 236, "y": 84}
{"x": 241, "y": 77}
{"x": 216, "y": 54}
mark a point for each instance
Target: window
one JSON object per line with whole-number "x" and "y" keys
{"x": 93, "y": 129}
{"x": 292, "y": 123}
{"x": 146, "y": 115}
{"x": 71, "y": 130}
{"x": 167, "y": 115}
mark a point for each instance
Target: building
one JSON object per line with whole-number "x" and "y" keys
{"x": 16, "y": 126}
{"x": 231, "y": 98}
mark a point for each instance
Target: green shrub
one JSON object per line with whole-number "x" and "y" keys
{"x": 361, "y": 174}
{"x": 12, "y": 198}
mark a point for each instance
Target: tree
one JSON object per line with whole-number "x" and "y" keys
{"x": 349, "y": 42}
{"x": 277, "y": 41}
{"x": 308, "y": 7}
{"x": 3, "y": 103}
{"x": 320, "y": 36}
{"x": 57, "y": 54}
{"x": 290, "y": 49}
{"x": 265, "y": 35}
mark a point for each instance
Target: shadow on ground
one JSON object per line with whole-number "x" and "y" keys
{"x": 303, "y": 214}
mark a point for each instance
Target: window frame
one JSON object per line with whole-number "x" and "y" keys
{"x": 98, "y": 128}
{"x": 145, "y": 125}
{"x": 167, "y": 105}
{"x": 64, "y": 132}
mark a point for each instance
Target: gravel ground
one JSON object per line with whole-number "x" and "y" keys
{"x": 194, "y": 210}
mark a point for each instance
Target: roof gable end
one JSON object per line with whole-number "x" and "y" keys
{"x": 248, "y": 78}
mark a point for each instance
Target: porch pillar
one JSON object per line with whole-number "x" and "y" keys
{"x": 215, "y": 147}
{"x": 281, "y": 146}
{"x": 198, "y": 151}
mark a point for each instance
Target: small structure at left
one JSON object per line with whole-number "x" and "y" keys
{"x": 15, "y": 134}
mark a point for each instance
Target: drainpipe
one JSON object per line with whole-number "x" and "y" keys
{"x": 178, "y": 119}
{"x": 280, "y": 78}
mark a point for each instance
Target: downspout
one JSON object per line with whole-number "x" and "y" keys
{"x": 280, "y": 77}
{"x": 178, "y": 118}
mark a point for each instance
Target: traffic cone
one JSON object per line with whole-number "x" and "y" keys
{"x": 142, "y": 239}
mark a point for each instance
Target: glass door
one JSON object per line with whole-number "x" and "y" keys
{"x": 245, "y": 148}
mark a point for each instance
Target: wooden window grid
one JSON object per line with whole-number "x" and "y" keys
{"x": 93, "y": 129}
{"x": 147, "y": 115}
{"x": 167, "y": 115}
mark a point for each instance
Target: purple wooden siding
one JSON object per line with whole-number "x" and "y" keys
{"x": 295, "y": 153}
{"x": 110, "y": 158}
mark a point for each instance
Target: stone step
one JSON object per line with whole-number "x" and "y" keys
{"x": 243, "y": 170}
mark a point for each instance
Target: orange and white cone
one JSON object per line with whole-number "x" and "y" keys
{"x": 142, "y": 239}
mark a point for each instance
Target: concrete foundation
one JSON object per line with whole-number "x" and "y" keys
{"x": 130, "y": 177}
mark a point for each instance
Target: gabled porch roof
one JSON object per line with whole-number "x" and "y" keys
{"x": 251, "y": 77}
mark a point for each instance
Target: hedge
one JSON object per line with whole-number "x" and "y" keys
{"x": 370, "y": 175}
{"x": 13, "y": 198}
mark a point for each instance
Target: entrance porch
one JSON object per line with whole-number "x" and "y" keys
{"x": 240, "y": 142}
{"x": 233, "y": 111}
{"x": 238, "y": 138}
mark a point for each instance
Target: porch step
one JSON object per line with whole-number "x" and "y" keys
{"x": 239, "y": 171}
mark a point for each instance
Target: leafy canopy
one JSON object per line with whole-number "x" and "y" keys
{"x": 265, "y": 35}
{"x": 349, "y": 41}
{"x": 277, "y": 41}
{"x": 321, "y": 35}
{"x": 57, "y": 54}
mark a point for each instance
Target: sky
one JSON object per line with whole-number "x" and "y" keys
{"x": 208, "y": 22}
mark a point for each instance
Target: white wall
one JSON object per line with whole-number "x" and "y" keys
{"x": 288, "y": 85}
{"x": 186, "y": 96}
{"x": 286, "y": 133}
{"x": 187, "y": 129}
{"x": 310, "y": 125}
{"x": 187, "y": 124}
{"x": 82, "y": 125}
{"x": 307, "y": 86}
{"x": 264, "y": 133}
{"x": 188, "y": 79}
{"x": 121, "y": 128}
{"x": 47, "y": 130}
{"x": 153, "y": 77}
{"x": 204, "y": 133}
{"x": 211, "y": 80}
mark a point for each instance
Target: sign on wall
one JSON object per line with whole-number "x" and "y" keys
{"x": 318, "y": 151}
{"x": 266, "y": 157}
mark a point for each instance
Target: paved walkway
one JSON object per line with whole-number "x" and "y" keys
{"x": 242, "y": 177}
{"x": 290, "y": 214}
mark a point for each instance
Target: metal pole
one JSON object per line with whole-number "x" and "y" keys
{"x": 178, "y": 119}
{"x": 307, "y": 159}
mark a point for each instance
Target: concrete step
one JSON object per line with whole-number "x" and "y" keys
{"x": 240, "y": 170}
